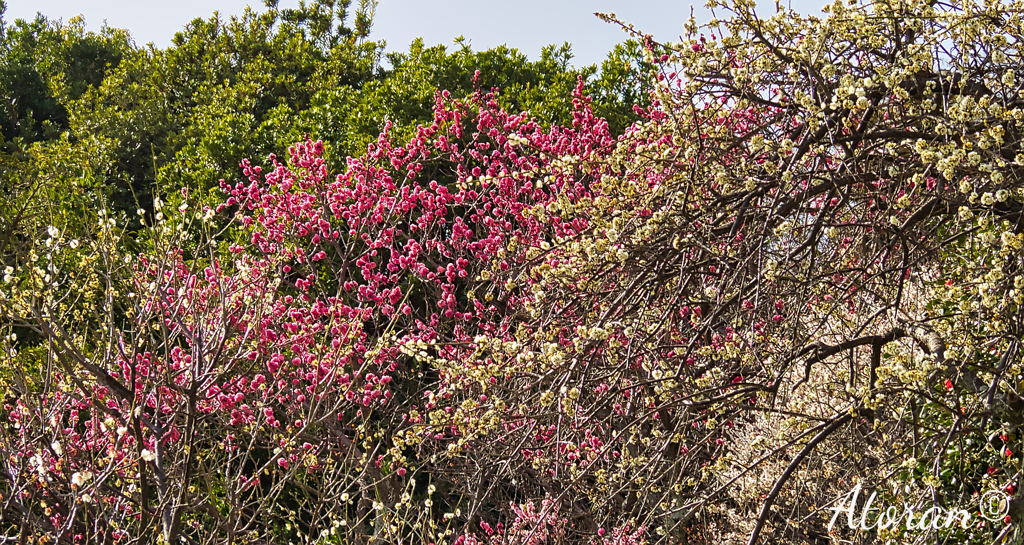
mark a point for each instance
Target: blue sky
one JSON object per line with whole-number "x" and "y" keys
{"x": 526, "y": 25}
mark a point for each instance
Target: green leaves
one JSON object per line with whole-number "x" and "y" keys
{"x": 43, "y": 65}
{"x": 250, "y": 85}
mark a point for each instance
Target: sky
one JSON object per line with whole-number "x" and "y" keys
{"x": 527, "y": 25}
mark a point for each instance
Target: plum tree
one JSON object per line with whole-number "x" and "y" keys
{"x": 799, "y": 272}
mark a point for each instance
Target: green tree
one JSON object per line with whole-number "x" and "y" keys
{"x": 44, "y": 64}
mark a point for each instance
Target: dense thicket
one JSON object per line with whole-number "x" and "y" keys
{"x": 97, "y": 132}
{"x": 798, "y": 271}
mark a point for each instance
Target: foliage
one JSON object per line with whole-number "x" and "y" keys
{"x": 251, "y": 85}
{"x": 300, "y": 358}
{"x": 798, "y": 272}
{"x": 42, "y": 66}
{"x": 133, "y": 447}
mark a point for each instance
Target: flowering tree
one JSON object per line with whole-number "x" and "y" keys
{"x": 240, "y": 395}
{"x": 799, "y": 272}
